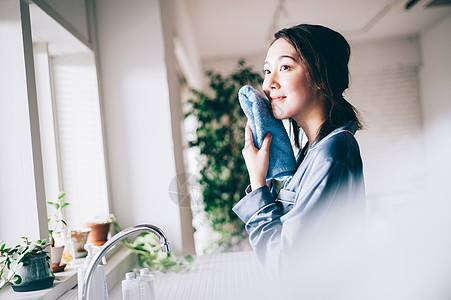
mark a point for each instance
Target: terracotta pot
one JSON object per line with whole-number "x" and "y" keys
{"x": 56, "y": 253}
{"x": 79, "y": 238}
{"x": 99, "y": 233}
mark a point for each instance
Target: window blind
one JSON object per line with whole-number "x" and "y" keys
{"x": 79, "y": 137}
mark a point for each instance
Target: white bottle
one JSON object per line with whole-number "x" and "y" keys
{"x": 98, "y": 289}
{"x": 146, "y": 284}
{"x": 130, "y": 287}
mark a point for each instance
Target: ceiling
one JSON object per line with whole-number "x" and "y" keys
{"x": 242, "y": 27}
{"x": 231, "y": 28}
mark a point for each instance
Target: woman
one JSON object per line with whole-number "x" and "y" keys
{"x": 322, "y": 206}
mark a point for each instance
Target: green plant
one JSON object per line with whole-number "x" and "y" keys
{"x": 220, "y": 139}
{"x": 56, "y": 220}
{"x": 12, "y": 259}
{"x": 150, "y": 255}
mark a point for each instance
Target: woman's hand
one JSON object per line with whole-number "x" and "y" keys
{"x": 257, "y": 161}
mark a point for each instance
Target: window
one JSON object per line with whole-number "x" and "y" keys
{"x": 70, "y": 121}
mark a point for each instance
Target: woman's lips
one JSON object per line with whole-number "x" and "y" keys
{"x": 278, "y": 98}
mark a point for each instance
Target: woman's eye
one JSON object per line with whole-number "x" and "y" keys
{"x": 284, "y": 68}
{"x": 266, "y": 72}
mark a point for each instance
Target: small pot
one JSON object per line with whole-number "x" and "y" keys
{"x": 99, "y": 233}
{"x": 56, "y": 253}
{"x": 58, "y": 237}
{"x": 79, "y": 238}
{"x": 36, "y": 275}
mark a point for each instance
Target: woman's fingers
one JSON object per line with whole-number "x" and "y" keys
{"x": 267, "y": 141}
{"x": 256, "y": 160}
{"x": 248, "y": 141}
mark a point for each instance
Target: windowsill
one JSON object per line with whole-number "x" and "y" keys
{"x": 119, "y": 261}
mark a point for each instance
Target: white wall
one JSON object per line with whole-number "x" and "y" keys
{"x": 185, "y": 46}
{"x": 178, "y": 189}
{"x": 436, "y": 102}
{"x": 137, "y": 115}
{"x": 384, "y": 87}
{"x": 19, "y": 190}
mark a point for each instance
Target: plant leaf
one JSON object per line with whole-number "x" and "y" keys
{"x": 16, "y": 279}
{"x": 189, "y": 259}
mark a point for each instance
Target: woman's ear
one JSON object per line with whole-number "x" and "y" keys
{"x": 320, "y": 94}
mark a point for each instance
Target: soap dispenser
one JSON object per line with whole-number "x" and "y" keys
{"x": 130, "y": 287}
{"x": 99, "y": 289}
{"x": 146, "y": 284}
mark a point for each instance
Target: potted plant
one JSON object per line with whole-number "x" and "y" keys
{"x": 61, "y": 247}
{"x": 220, "y": 139}
{"x": 56, "y": 253}
{"x": 79, "y": 239}
{"x": 99, "y": 231}
{"x": 25, "y": 266}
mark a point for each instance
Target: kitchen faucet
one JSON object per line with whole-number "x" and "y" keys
{"x": 116, "y": 239}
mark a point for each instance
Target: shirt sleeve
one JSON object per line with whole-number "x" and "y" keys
{"x": 276, "y": 235}
{"x": 272, "y": 189}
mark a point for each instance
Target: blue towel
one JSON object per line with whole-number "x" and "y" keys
{"x": 257, "y": 108}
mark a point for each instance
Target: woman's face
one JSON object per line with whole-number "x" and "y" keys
{"x": 287, "y": 83}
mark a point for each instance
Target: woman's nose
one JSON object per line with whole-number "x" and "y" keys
{"x": 271, "y": 82}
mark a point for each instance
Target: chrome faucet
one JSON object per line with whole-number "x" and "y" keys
{"x": 116, "y": 239}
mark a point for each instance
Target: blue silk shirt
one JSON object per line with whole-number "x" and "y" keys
{"x": 323, "y": 201}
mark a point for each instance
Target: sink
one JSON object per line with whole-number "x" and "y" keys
{"x": 234, "y": 275}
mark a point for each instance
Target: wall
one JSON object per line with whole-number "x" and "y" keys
{"x": 385, "y": 89}
{"x": 436, "y": 102}
{"x": 185, "y": 46}
{"x": 19, "y": 191}
{"x": 433, "y": 219}
{"x": 178, "y": 189}
{"x": 137, "y": 115}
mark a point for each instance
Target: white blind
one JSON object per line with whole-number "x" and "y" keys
{"x": 79, "y": 135}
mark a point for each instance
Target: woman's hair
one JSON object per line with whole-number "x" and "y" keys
{"x": 325, "y": 54}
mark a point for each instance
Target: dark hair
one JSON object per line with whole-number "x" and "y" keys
{"x": 325, "y": 54}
